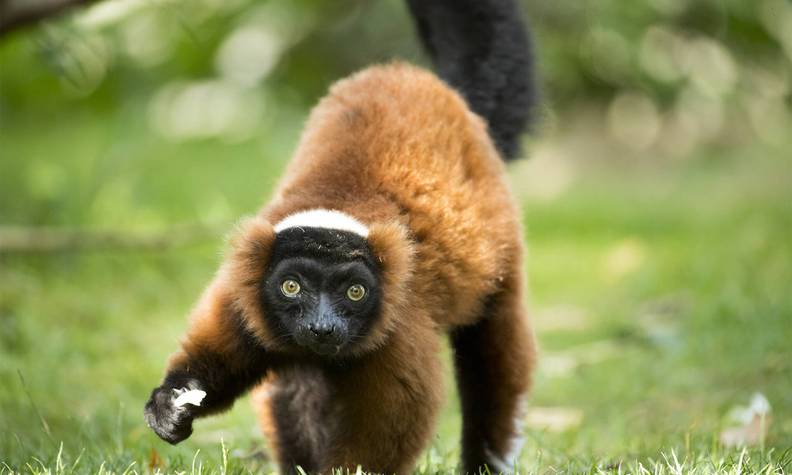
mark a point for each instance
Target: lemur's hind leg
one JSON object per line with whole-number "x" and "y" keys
{"x": 493, "y": 360}
{"x": 292, "y": 408}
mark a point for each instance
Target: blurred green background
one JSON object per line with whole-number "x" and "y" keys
{"x": 657, "y": 202}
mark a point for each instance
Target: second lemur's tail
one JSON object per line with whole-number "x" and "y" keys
{"x": 482, "y": 49}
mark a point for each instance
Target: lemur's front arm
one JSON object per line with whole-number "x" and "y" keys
{"x": 218, "y": 356}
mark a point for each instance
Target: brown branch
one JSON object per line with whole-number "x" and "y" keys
{"x": 20, "y": 240}
{"x": 15, "y": 14}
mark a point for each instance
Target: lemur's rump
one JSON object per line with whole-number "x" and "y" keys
{"x": 392, "y": 227}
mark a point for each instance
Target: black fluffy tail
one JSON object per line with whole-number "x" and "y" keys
{"x": 482, "y": 48}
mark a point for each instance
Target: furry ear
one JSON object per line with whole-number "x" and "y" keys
{"x": 244, "y": 270}
{"x": 391, "y": 244}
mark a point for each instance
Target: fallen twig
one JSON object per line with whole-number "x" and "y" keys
{"x": 15, "y": 239}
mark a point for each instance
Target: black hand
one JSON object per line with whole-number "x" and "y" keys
{"x": 173, "y": 424}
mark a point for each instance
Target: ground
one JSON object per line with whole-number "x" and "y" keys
{"x": 660, "y": 290}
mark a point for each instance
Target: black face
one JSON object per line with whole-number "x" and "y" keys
{"x": 322, "y": 290}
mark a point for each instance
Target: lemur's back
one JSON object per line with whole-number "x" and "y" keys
{"x": 394, "y": 141}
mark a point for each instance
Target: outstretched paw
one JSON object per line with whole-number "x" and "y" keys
{"x": 170, "y": 412}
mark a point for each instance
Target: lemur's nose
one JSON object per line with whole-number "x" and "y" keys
{"x": 321, "y": 329}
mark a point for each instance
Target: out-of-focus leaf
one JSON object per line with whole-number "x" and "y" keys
{"x": 554, "y": 419}
{"x": 754, "y": 419}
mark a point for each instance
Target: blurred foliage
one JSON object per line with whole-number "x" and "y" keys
{"x": 686, "y": 71}
{"x": 678, "y": 72}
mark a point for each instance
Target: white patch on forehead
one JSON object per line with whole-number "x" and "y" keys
{"x": 323, "y": 218}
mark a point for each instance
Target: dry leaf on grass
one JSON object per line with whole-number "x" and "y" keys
{"x": 563, "y": 363}
{"x": 754, "y": 421}
{"x": 624, "y": 258}
{"x": 562, "y": 318}
{"x": 155, "y": 461}
{"x": 558, "y": 365}
{"x": 554, "y": 419}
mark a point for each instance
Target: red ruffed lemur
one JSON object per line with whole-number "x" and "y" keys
{"x": 392, "y": 228}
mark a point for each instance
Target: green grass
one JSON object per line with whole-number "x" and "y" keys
{"x": 662, "y": 296}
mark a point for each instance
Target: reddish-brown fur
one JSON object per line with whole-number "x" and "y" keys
{"x": 396, "y": 148}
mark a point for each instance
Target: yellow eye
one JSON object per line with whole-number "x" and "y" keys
{"x": 290, "y": 288}
{"x": 356, "y": 292}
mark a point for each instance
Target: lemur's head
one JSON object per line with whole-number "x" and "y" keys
{"x": 321, "y": 282}
{"x": 322, "y": 286}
